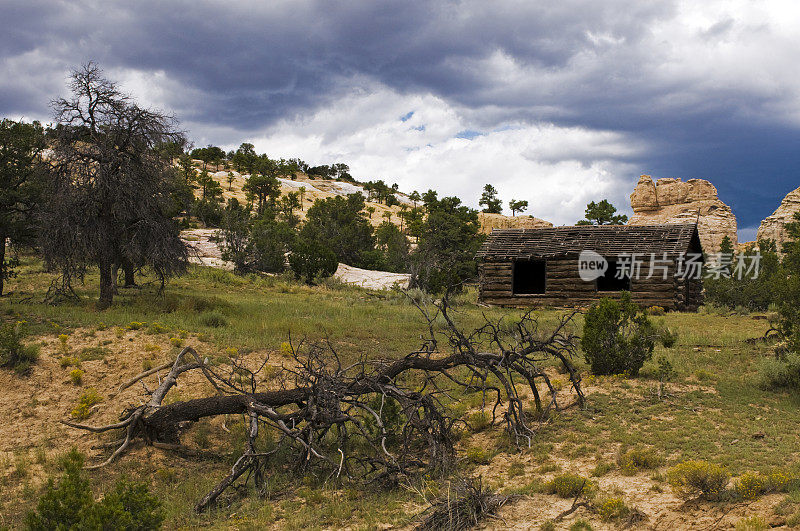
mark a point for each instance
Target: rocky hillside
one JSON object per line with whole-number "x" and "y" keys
{"x": 321, "y": 188}
{"x": 675, "y": 201}
{"x": 774, "y": 227}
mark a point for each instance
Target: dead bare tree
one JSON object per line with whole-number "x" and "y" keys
{"x": 110, "y": 188}
{"x": 376, "y": 420}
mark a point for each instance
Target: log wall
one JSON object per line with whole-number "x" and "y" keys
{"x": 565, "y": 288}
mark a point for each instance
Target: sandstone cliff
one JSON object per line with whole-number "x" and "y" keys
{"x": 773, "y": 228}
{"x": 675, "y": 201}
{"x": 499, "y": 221}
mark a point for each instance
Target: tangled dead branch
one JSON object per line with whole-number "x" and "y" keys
{"x": 464, "y": 507}
{"x": 373, "y": 419}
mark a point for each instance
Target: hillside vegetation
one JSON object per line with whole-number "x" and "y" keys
{"x": 712, "y": 408}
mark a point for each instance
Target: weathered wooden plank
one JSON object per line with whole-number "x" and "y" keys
{"x": 565, "y": 303}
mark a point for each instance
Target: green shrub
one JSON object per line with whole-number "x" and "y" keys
{"x": 213, "y": 319}
{"x": 703, "y": 375}
{"x": 269, "y": 241}
{"x": 88, "y": 399}
{"x": 751, "y": 485}
{"x": 617, "y": 337}
{"x": 478, "y": 456}
{"x": 612, "y": 509}
{"x": 580, "y": 525}
{"x": 698, "y": 478}
{"x": 777, "y": 374}
{"x": 752, "y": 523}
{"x": 569, "y": 486}
{"x": 601, "y": 469}
{"x": 135, "y": 325}
{"x": 70, "y": 504}
{"x": 390, "y": 412}
{"x": 129, "y": 505}
{"x": 480, "y": 421}
{"x": 747, "y": 294}
{"x": 13, "y": 354}
{"x": 63, "y": 347}
{"x": 76, "y": 376}
{"x": 636, "y": 459}
{"x": 664, "y": 369}
{"x": 548, "y": 525}
{"x": 62, "y": 506}
{"x": 157, "y": 328}
{"x": 656, "y": 310}
{"x": 310, "y": 259}
{"x": 68, "y": 361}
{"x": 668, "y": 337}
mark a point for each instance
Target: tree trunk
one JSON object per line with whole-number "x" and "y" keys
{"x": 115, "y": 276}
{"x": 129, "y": 274}
{"x": 106, "y": 285}
{"x": 2, "y": 261}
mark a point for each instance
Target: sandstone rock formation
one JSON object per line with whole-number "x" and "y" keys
{"x": 366, "y": 278}
{"x": 675, "y": 201}
{"x": 774, "y": 227}
{"x": 499, "y": 221}
{"x": 204, "y": 248}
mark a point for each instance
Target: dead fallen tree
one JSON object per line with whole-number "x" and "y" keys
{"x": 374, "y": 419}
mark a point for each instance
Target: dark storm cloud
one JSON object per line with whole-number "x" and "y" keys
{"x": 590, "y": 64}
{"x": 264, "y": 62}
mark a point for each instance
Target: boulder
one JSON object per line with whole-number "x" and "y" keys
{"x": 675, "y": 201}
{"x": 774, "y": 227}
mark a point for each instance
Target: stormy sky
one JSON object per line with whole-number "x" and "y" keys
{"x": 558, "y": 103}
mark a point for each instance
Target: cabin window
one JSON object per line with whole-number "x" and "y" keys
{"x": 528, "y": 277}
{"x": 610, "y": 280}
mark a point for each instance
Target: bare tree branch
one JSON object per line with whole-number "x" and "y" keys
{"x": 375, "y": 419}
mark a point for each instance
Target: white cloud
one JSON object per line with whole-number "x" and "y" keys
{"x": 557, "y": 169}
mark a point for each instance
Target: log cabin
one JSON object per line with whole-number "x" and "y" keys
{"x": 574, "y": 266}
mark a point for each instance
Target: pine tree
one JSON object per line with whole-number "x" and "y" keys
{"x": 489, "y": 200}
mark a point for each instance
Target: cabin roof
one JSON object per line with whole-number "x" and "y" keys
{"x": 608, "y": 240}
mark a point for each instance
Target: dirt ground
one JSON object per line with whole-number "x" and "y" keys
{"x": 31, "y": 432}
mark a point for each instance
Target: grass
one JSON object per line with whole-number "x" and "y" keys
{"x": 711, "y": 411}
{"x": 250, "y": 312}
{"x": 635, "y": 459}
